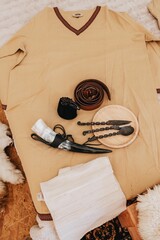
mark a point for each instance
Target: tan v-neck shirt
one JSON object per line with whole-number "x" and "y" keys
{"x": 47, "y": 59}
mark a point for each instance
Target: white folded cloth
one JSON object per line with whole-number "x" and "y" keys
{"x": 83, "y": 197}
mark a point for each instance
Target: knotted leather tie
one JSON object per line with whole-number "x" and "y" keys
{"x": 89, "y": 94}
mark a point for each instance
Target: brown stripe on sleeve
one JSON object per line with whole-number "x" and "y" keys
{"x": 4, "y": 107}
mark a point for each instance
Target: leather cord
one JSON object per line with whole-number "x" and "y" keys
{"x": 89, "y": 94}
{"x": 60, "y": 137}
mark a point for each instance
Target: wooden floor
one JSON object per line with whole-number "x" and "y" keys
{"x": 19, "y": 214}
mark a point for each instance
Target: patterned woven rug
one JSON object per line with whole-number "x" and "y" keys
{"x": 108, "y": 231}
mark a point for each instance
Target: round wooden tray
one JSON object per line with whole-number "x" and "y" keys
{"x": 116, "y": 112}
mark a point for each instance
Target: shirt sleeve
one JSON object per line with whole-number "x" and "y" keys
{"x": 153, "y": 47}
{"x": 11, "y": 55}
{"x": 154, "y": 8}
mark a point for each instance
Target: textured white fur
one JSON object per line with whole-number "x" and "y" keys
{"x": 5, "y": 140}
{"x": 8, "y": 172}
{"x": 148, "y": 207}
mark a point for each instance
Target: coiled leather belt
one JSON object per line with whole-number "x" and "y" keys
{"x": 89, "y": 94}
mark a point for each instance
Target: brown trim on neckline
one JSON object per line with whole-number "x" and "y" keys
{"x": 84, "y": 27}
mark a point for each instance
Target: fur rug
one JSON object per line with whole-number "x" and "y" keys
{"x": 16, "y": 13}
{"x": 148, "y": 207}
{"x": 8, "y": 172}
